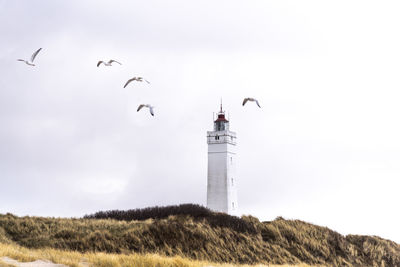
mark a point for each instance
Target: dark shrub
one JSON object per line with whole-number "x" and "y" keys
{"x": 196, "y": 211}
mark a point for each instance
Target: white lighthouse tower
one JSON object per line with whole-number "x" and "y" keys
{"x": 221, "y": 182}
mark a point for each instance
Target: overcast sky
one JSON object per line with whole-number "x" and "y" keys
{"x": 324, "y": 148}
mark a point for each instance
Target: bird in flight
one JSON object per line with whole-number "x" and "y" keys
{"x": 139, "y": 79}
{"x": 107, "y": 63}
{"x": 147, "y": 106}
{"x": 30, "y": 62}
{"x": 251, "y": 99}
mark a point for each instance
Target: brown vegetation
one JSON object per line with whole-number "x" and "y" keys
{"x": 206, "y": 238}
{"x": 99, "y": 259}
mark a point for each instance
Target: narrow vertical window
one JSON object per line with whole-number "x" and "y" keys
{"x": 232, "y": 181}
{"x": 233, "y": 205}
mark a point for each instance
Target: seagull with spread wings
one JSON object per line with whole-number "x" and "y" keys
{"x": 139, "y": 79}
{"x": 252, "y": 100}
{"x": 107, "y": 63}
{"x": 147, "y": 106}
{"x": 30, "y": 62}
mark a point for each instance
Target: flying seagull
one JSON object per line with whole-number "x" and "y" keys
{"x": 251, "y": 99}
{"x": 139, "y": 79}
{"x": 147, "y": 106}
{"x": 107, "y": 63}
{"x": 30, "y": 62}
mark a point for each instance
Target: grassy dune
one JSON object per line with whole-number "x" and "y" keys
{"x": 99, "y": 259}
{"x": 191, "y": 234}
{"x": 75, "y": 259}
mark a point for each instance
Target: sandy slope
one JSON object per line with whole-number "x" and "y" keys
{"x": 38, "y": 263}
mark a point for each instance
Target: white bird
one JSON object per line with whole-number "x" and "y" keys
{"x": 139, "y": 79}
{"x": 107, "y": 63}
{"x": 30, "y": 62}
{"x": 251, "y": 99}
{"x": 147, "y": 106}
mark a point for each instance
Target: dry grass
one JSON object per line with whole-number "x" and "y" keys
{"x": 76, "y": 259}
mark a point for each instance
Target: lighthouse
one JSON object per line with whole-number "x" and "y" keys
{"x": 221, "y": 178}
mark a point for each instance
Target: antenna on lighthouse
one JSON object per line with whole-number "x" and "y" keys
{"x": 221, "y": 106}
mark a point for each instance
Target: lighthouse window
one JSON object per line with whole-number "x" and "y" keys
{"x": 232, "y": 181}
{"x": 233, "y": 205}
{"x": 220, "y": 126}
{"x": 216, "y": 137}
{"x": 231, "y": 160}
